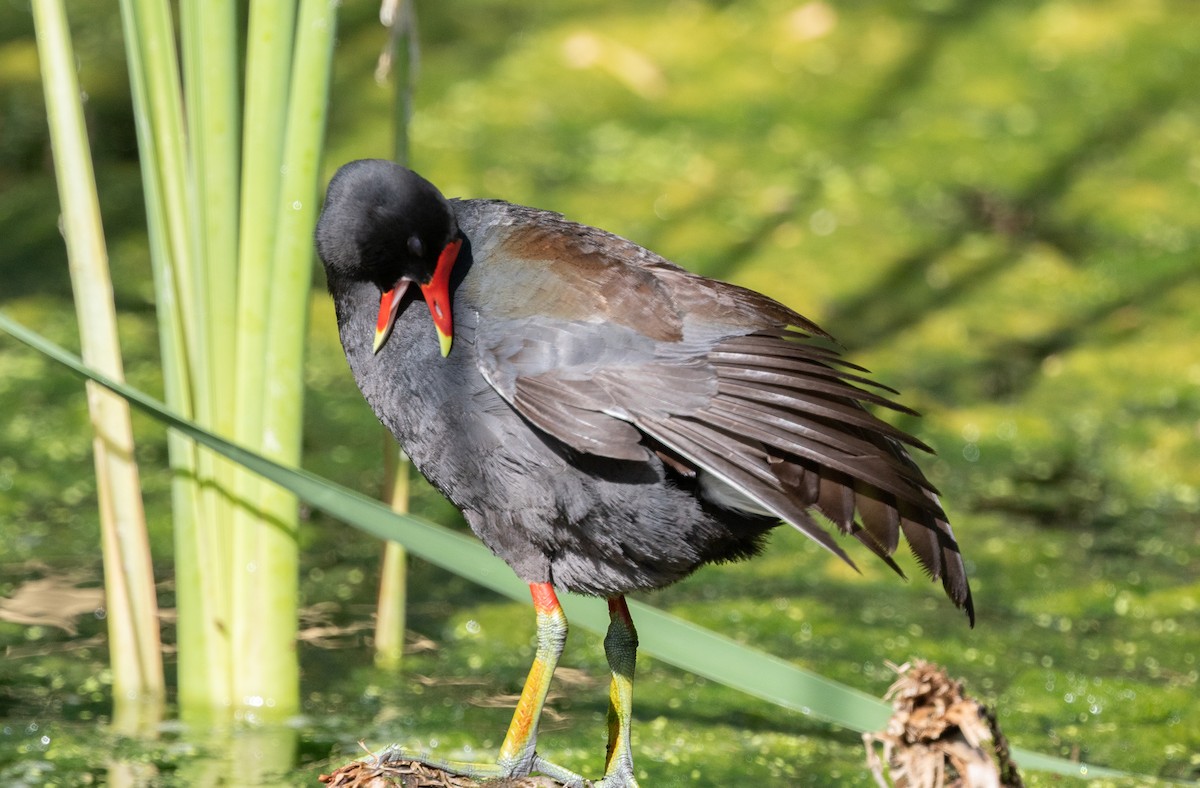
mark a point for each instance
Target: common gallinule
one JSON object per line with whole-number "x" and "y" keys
{"x": 606, "y": 421}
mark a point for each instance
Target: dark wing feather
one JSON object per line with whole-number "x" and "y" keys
{"x": 734, "y": 353}
{"x": 865, "y": 466}
{"x": 865, "y": 470}
{"x": 881, "y": 521}
{"x": 569, "y": 415}
{"x": 717, "y": 377}
{"x": 710, "y": 449}
{"x": 803, "y": 382}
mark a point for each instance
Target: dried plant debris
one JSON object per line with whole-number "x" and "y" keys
{"x": 390, "y": 769}
{"x": 938, "y": 737}
{"x": 53, "y": 601}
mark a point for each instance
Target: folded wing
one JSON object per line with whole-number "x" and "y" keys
{"x": 737, "y": 389}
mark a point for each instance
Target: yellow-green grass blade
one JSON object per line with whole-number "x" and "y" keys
{"x": 200, "y": 537}
{"x": 209, "y": 39}
{"x": 269, "y": 49}
{"x": 391, "y": 614}
{"x": 271, "y": 546}
{"x": 269, "y": 52}
{"x": 136, "y": 661}
{"x": 270, "y": 40}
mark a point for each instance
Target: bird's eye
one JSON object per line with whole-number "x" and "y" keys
{"x": 415, "y": 246}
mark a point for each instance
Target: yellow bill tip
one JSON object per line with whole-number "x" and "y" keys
{"x": 380, "y": 337}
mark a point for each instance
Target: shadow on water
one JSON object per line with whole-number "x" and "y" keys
{"x": 902, "y": 298}
{"x": 33, "y": 257}
{"x": 936, "y": 30}
{"x": 1011, "y": 366}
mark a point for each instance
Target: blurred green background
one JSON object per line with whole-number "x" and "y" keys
{"x": 994, "y": 206}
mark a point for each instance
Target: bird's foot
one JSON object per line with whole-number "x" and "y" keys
{"x": 503, "y": 770}
{"x": 618, "y": 774}
{"x": 621, "y": 779}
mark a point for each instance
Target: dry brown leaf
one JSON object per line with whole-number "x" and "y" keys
{"x": 938, "y": 737}
{"x": 54, "y": 601}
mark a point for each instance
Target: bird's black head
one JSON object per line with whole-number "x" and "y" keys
{"x": 386, "y": 225}
{"x": 382, "y": 223}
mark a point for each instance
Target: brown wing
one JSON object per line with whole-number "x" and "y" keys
{"x": 719, "y": 379}
{"x": 786, "y": 429}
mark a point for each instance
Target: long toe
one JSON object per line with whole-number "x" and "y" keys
{"x": 620, "y": 778}
{"x": 563, "y": 775}
{"x": 498, "y": 774}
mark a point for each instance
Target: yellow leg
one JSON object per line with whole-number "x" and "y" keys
{"x": 518, "y": 756}
{"x": 620, "y": 647}
{"x": 517, "y": 753}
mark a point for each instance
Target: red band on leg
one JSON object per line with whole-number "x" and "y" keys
{"x": 544, "y": 598}
{"x": 618, "y": 608}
